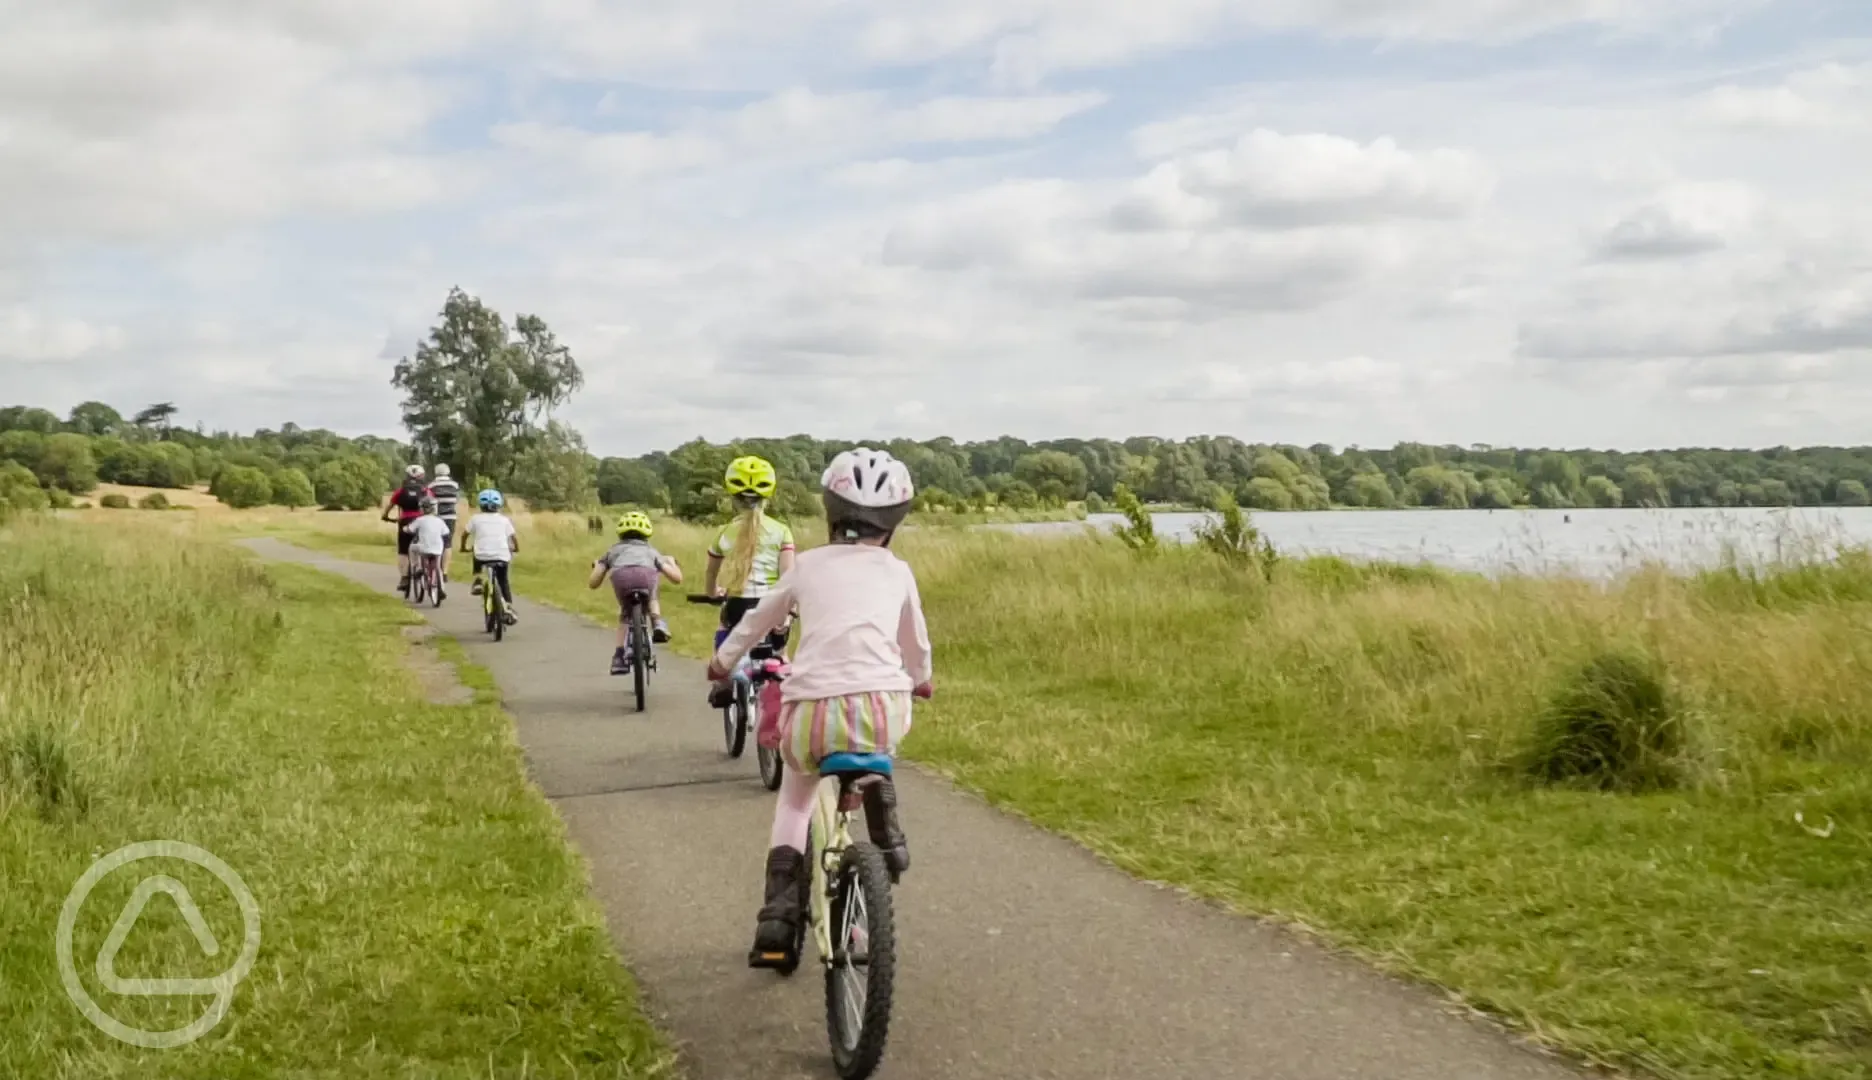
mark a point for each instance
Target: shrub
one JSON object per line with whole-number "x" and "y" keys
{"x": 1612, "y": 725}
{"x": 163, "y": 465}
{"x": 353, "y": 483}
{"x": 291, "y": 488}
{"x": 115, "y": 501}
{"x": 1139, "y": 532}
{"x": 243, "y": 487}
{"x": 59, "y": 498}
{"x": 35, "y": 762}
{"x": 22, "y": 447}
{"x": 66, "y": 462}
{"x": 19, "y": 489}
{"x": 155, "y": 500}
{"x": 1235, "y": 540}
{"x": 1095, "y": 503}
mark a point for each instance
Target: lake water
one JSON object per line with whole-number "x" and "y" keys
{"x": 1594, "y": 542}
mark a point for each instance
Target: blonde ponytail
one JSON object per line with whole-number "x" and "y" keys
{"x": 740, "y": 561}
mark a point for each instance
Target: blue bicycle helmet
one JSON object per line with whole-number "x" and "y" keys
{"x": 489, "y": 500}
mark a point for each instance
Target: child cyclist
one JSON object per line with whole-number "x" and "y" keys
{"x": 405, "y": 504}
{"x": 864, "y": 653}
{"x": 494, "y": 541}
{"x": 749, "y": 555}
{"x": 429, "y": 539}
{"x": 632, "y": 565}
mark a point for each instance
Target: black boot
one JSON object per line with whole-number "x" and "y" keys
{"x": 777, "y": 937}
{"x": 880, "y": 803}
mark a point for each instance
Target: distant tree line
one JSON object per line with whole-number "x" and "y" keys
{"x": 547, "y": 463}
{"x": 60, "y": 458}
{"x": 1205, "y": 471}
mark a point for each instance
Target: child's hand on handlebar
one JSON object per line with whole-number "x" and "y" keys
{"x": 715, "y": 672}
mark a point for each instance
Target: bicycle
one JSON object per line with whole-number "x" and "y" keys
{"x": 850, "y": 915}
{"x": 762, "y": 664}
{"x": 639, "y": 656}
{"x": 493, "y": 601}
{"x": 426, "y": 581}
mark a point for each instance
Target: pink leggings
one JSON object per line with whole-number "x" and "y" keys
{"x": 793, "y": 813}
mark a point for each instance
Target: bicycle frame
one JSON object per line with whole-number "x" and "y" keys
{"x": 831, "y": 825}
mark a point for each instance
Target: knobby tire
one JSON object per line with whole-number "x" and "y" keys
{"x": 862, "y": 873}
{"x": 640, "y": 659}
{"x": 735, "y": 720}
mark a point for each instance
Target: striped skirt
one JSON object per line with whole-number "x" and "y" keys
{"x": 859, "y": 724}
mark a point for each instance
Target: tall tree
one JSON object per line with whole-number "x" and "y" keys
{"x": 477, "y": 396}
{"x": 155, "y": 416}
{"x": 95, "y": 418}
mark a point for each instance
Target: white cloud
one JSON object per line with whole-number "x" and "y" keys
{"x": 120, "y": 123}
{"x": 796, "y": 124}
{"x": 1829, "y": 96}
{"x": 1271, "y": 179}
{"x": 1028, "y": 39}
{"x": 1685, "y": 219}
{"x": 1794, "y": 296}
{"x": 26, "y": 336}
{"x": 1275, "y": 223}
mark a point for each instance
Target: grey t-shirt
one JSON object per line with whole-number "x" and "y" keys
{"x": 631, "y": 553}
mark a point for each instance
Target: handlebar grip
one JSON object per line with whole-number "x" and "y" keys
{"x": 698, "y": 598}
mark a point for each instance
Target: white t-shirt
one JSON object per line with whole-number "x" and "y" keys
{"x": 491, "y": 533}
{"x": 431, "y": 535}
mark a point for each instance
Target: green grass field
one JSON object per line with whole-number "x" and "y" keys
{"x": 1336, "y": 748}
{"x": 422, "y": 914}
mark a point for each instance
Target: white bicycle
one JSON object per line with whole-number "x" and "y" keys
{"x": 849, "y": 913}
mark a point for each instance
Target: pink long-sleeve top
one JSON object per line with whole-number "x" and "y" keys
{"x": 863, "y": 626}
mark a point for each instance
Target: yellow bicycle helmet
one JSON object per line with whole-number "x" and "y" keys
{"x": 636, "y": 521}
{"x": 750, "y": 475}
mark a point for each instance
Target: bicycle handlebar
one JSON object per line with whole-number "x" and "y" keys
{"x": 699, "y": 598}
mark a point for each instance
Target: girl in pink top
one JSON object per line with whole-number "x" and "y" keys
{"x": 863, "y": 653}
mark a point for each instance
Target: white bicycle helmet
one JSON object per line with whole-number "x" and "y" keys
{"x": 866, "y": 490}
{"x": 414, "y": 472}
{"x": 442, "y": 470}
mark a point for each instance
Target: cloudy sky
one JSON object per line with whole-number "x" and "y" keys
{"x": 1533, "y": 222}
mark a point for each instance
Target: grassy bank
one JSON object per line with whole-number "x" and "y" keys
{"x": 422, "y": 915}
{"x": 1337, "y": 748}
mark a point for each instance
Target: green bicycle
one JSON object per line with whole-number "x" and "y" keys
{"x": 849, "y": 913}
{"x": 493, "y": 599}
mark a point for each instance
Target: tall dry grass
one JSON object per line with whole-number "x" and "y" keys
{"x": 421, "y": 911}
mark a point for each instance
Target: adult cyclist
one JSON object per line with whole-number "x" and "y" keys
{"x": 405, "y": 506}
{"x": 749, "y": 554}
{"x": 447, "y": 495}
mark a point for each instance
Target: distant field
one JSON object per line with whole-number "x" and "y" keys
{"x": 196, "y": 497}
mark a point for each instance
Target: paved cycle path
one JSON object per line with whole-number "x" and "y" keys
{"x": 1023, "y": 956}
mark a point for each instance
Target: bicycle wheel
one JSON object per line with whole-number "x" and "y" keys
{"x": 640, "y": 659}
{"x": 435, "y": 582}
{"x": 772, "y": 768}
{"x": 864, "y": 961}
{"x": 418, "y": 585}
{"x": 735, "y": 720}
